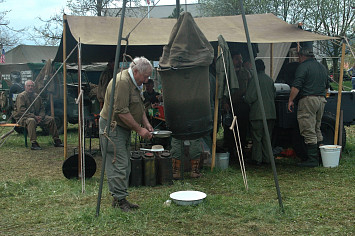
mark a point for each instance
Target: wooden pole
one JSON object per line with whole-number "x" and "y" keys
{"x": 340, "y": 89}
{"x": 215, "y": 121}
{"x": 65, "y": 86}
{"x": 52, "y": 104}
{"x": 341, "y": 123}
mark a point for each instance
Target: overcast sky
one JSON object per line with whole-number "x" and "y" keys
{"x": 25, "y": 13}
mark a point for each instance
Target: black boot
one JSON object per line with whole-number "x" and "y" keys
{"x": 312, "y": 152}
{"x": 319, "y": 154}
{"x": 35, "y": 146}
{"x": 125, "y": 205}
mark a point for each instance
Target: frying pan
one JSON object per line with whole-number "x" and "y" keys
{"x": 161, "y": 133}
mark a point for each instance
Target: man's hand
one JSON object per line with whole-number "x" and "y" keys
{"x": 38, "y": 119}
{"x": 291, "y": 106}
{"x": 149, "y": 127}
{"x": 293, "y": 94}
{"x": 144, "y": 133}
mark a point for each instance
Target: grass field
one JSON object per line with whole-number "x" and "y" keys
{"x": 36, "y": 199}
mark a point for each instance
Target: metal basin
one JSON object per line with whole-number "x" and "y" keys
{"x": 186, "y": 198}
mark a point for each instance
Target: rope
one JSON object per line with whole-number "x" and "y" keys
{"x": 142, "y": 19}
{"x": 238, "y": 147}
{"x": 347, "y": 42}
{"x": 113, "y": 144}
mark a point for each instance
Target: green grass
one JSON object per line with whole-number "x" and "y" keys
{"x": 36, "y": 199}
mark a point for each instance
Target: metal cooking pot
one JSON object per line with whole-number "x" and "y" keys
{"x": 161, "y": 133}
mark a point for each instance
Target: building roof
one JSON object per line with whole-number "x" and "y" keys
{"x": 30, "y": 54}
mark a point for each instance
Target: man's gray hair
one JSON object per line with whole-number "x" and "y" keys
{"x": 141, "y": 64}
{"x": 27, "y": 81}
{"x": 308, "y": 52}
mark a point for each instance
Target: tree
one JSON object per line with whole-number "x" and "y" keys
{"x": 334, "y": 18}
{"x": 51, "y": 30}
{"x": 8, "y": 36}
{"x": 175, "y": 13}
{"x": 329, "y": 17}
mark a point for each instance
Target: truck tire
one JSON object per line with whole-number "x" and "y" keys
{"x": 328, "y": 130}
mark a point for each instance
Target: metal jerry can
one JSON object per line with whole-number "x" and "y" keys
{"x": 165, "y": 169}
{"x": 136, "y": 176}
{"x": 149, "y": 169}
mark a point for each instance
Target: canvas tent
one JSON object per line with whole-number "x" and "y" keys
{"x": 98, "y": 35}
{"x": 28, "y": 60}
{"x": 30, "y": 54}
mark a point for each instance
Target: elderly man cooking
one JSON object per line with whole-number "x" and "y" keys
{"x": 128, "y": 114}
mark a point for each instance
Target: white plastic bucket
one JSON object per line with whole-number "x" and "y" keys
{"x": 222, "y": 160}
{"x": 330, "y": 155}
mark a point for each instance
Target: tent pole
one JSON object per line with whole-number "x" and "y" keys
{"x": 266, "y": 131}
{"x": 80, "y": 115}
{"x": 215, "y": 121}
{"x": 177, "y": 8}
{"x": 117, "y": 59}
{"x": 65, "y": 86}
{"x": 340, "y": 88}
{"x": 271, "y": 58}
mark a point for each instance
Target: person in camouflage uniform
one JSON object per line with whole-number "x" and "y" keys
{"x": 35, "y": 116}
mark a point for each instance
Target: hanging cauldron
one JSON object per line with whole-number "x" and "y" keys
{"x": 184, "y": 71}
{"x": 186, "y": 95}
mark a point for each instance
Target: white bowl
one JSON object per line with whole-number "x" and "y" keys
{"x": 185, "y": 198}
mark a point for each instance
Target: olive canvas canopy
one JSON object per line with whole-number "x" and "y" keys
{"x": 98, "y": 35}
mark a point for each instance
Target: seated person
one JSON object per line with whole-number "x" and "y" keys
{"x": 35, "y": 116}
{"x": 15, "y": 88}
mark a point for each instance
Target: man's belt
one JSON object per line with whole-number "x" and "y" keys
{"x": 312, "y": 96}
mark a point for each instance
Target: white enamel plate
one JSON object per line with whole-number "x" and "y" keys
{"x": 188, "y": 197}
